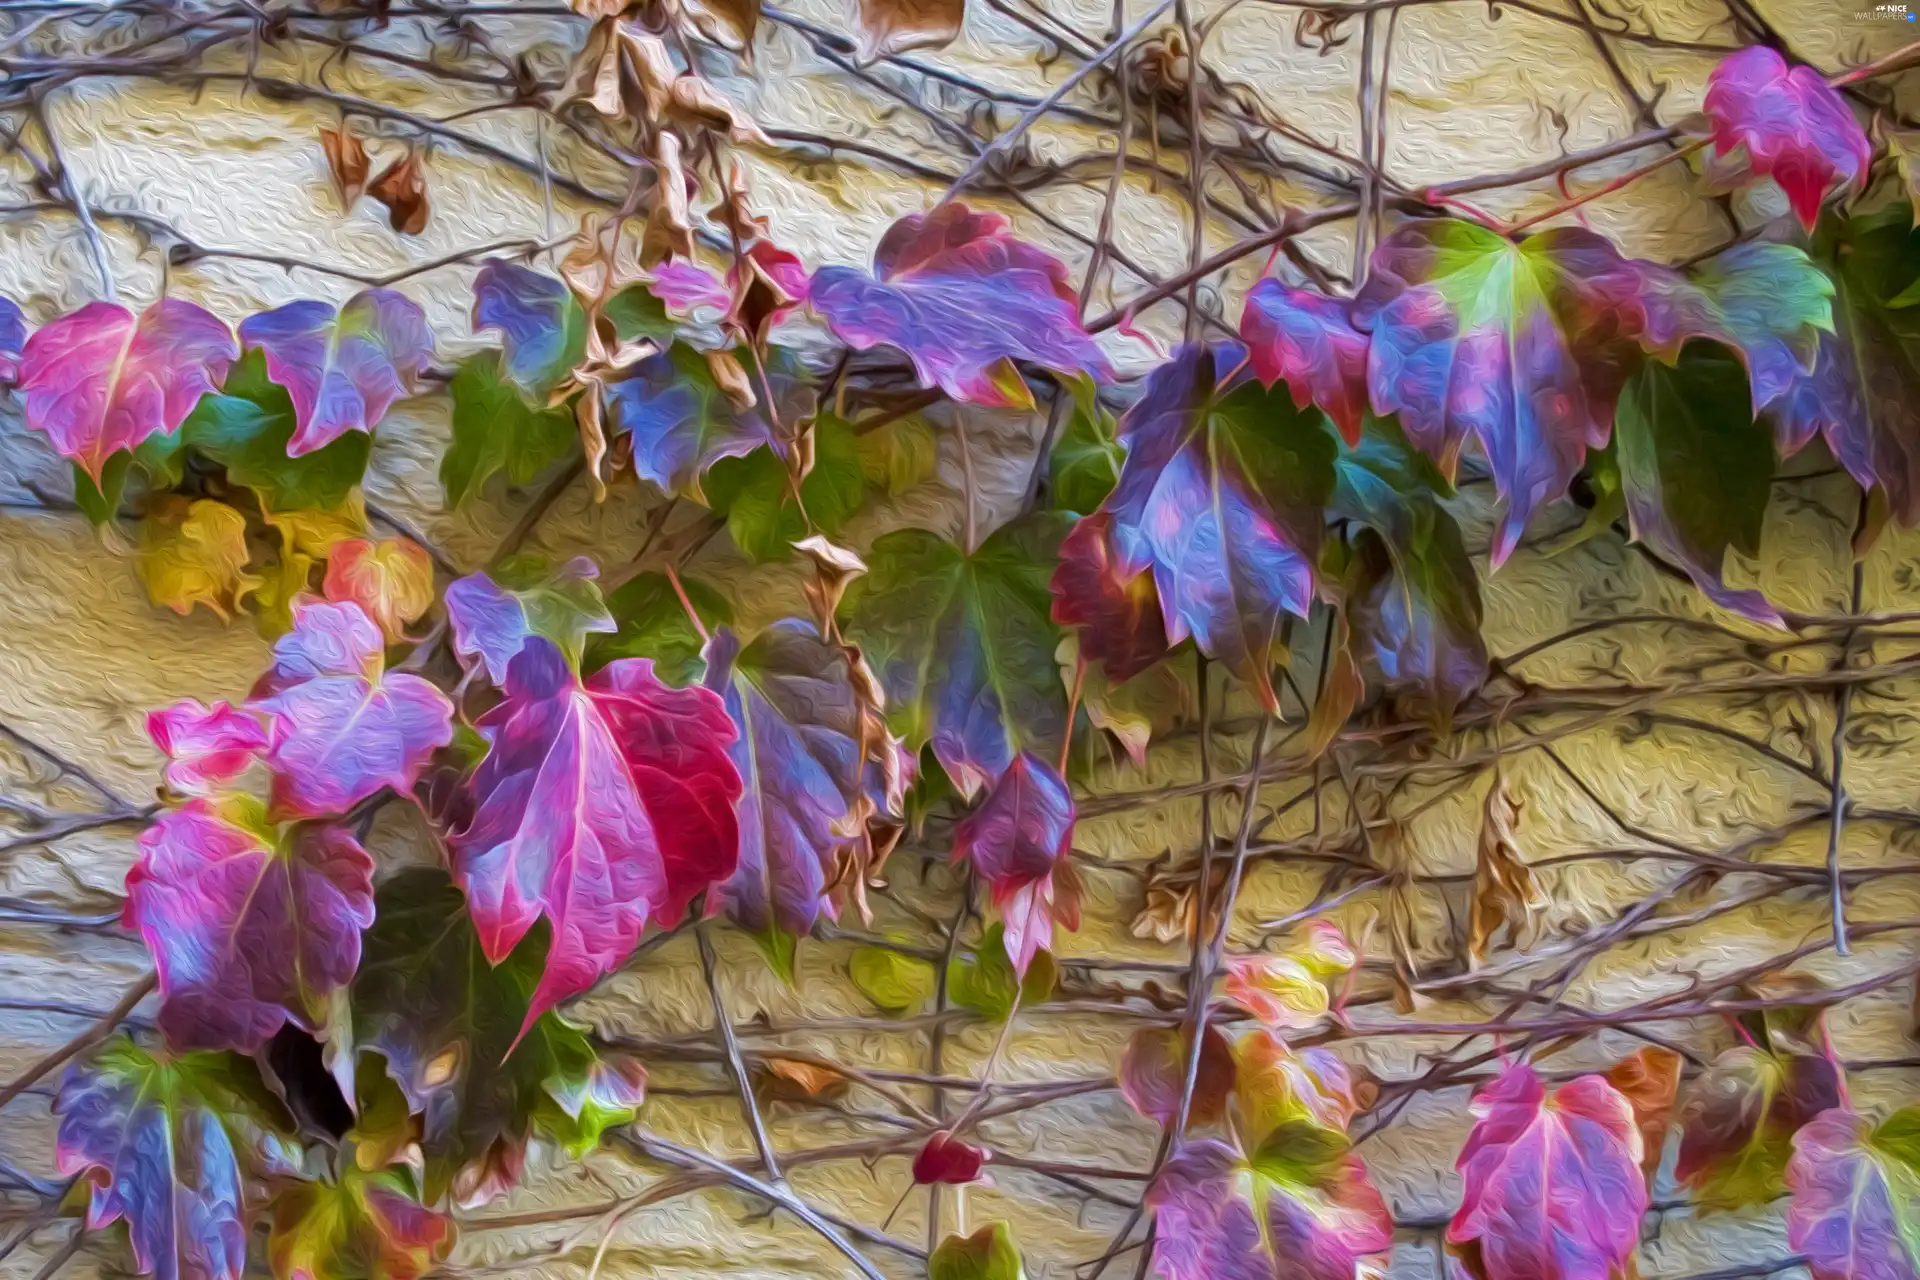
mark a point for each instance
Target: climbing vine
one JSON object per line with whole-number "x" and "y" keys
{"x": 604, "y": 754}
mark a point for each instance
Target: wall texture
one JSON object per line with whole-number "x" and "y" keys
{"x": 1473, "y": 88}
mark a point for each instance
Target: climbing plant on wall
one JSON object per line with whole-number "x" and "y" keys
{"x": 342, "y": 1058}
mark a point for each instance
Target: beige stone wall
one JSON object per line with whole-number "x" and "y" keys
{"x": 83, "y": 655}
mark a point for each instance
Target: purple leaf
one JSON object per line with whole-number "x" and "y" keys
{"x": 542, "y": 327}
{"x": 1855, "y": 1212}
{"x": 205, "y": 746}
{"x": 1308, "y": 339}
{"x": 1514, "y": 344}
{"x": 102, "y": 379}
{"x": 342, "y": 369}
{"x": 1018, "y": 840}
{"x": 791, "y": 696}
{"x": 492, "y": 622}
{"x": 963, "y": 299}
{"x": 248, "y": 926}
{"x": 343, "y": 727}
{"x": 600, "y": 807}
{"x": 1768, "y": 303}
{"x": 170, "y": 1145}
{"x": 1221, "y": 495}
{"x": 687, "y": 288}
{"x": 1794, "y": 127}
{"x": 1117, "y": 612}
{"x": 681, "y": 421}
{"x": 13, "y": 336}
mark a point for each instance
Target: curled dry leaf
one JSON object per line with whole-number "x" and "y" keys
{"x": 802, "y": 1083}
{"x": 1505, "y": 890}
{"x": 728, "y": 23}
{"x": 1167, "y": 914}
{"x": 1650, "y": 1080}
{"x": 670, "y": 220}
{"x": 402, "y": 187}
{"x": 347, "y": 162}
{"x": 889, "y": 27}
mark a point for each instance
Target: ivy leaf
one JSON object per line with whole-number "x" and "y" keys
{"x": 1794, "y": 127}
{"x": 650, "y": 622}
{"x": 1086, "y": 462}
{"x": 1553, "y": 1183}
{"x": 1288, "y": 991}
{"x": 1768, "y": 303}
{"x": 195, "y": 553}
{"x": 102, "y": 379}
{"x": 889, "y": 27}
{"x": 391, "y": 579}
{"x": 600, "y": 807}
{"x": 964, "y": 299}
{"x": 13, "y": 337}
{"x": 1413, "y": 596}
{"x": 541, "y": 326}
{"x": 963, "y": 645}
{"x": 495, "y": 430}
{"x": 1275, "y": 1087}
{"x": 1019, "y": 841}
{"x": 988, "y": 1254}
{"x": 1512, "y": 343}
{"x": 1864, "y": 391}
{"x": 1739, "y": 1118}
{"x": 248, "y": 429}
{"x": 343, "y": 726}
{"x": 1649, "y": 1078}
{"x": 249, "y": 926}
{"x": 681, "y": 421}
{"x": 170, "y": 1144}
{"x": 1855, "y": 1212}
{"x": 1221, "y": 496}
{"x": 755, "y": 492}
{"x": 342, "y": 368}
{"x": 158, "y": 458}
{"x": 1697, "y": 469}
{"x": 790, "y": 694}
{"x": 205, "y": 746}
{"x": 898, "y": 984}
{"x": 1153, "y": 1074}
{"x": 492, "y": 619}
{"x": 1308, "y": 339}
{"x": 365, "y": 1226}
{"x": 444, "y": 1016}
{"x": 946, "y": 1159}
{"x": 984, "y": 980}
{"x": 1117, "y": 612}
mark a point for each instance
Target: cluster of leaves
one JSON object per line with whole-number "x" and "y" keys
{"x": 344, "y": 1060}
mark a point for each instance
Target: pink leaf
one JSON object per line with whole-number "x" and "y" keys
{"x": 1153, "y": 1074}
{"x": 344, "y": 728}
{"x": 947, "y": 1159}
{"x": 1795, "y": 128}
{"x": 600, "y": 807}
{"x": 1019, "y": 840}
{"x": 1553, "y": 1183}
{"x": 205, "y": 745}
{"x": 102, "y": 379}
{"x": 1308, "y": 339}
{"x": 1855, "y": 1212}
{"x": 248, "y": 927}
{"x": 342, "y": 369}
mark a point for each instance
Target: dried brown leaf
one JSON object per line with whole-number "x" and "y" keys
{"x": 1649, "y": 1079}
{"x": 669, "y": 230}
{"x": 402, "y": 187}
{"x": 1505, "y": 890}
{"x": 1340, "y": 693}
{"x": 728, "y": 23}
{"x": 1168, "y": 910}
{"x": 801, "y": 1083}
{"x": 888, "y": 27}
{"x": 347, "y": 162}
{"x": 692, "y": 100}
{"x": 731, "y": 377}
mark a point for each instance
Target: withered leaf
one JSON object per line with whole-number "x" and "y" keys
{"x": 347, "y": 161}
{"x": 1505, "y": 890}
{"x": 728, "y": 23}
{"x": 795, "y": 1081}
{"x": 670, "y": 220}
{"x": 888, "y": 27}
{"x": 1650, "y": 1080}
{"x": 1167, "y": 915}
{"x": 402, "y": 187}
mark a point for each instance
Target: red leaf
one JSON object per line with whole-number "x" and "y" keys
{"x": 1553, "y": 1183}
{"x": 1308, "y": 339}
{"x": 600, "y": 807}
{"x": 1019, "y": 840}
{"x": 102, "y": 379}
{"x": 343, "y": 727}
{"x": 205, "y": 745}
{"x": 1794, "y": 127}
{"x": 964, "y": 299}
{"x": 947, "y": 1159}
{"x": 248, "y": 927}
{"x": 391, "y": 579}
{"x": 1153, "y": 1073}
{"x": 1118, "y": 613}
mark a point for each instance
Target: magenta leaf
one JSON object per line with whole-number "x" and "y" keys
{"x": 170, "y": 1144}
{"x": 1794, "y": 127}
{"x": 600, "y": 807}
{"x": 249, "y": 925}
{"x": 791, "y": 696}
{"x": 13, "y": 336}
{"x": 946, "y": 1159}
{"x": 494, "y": 616}
{"x": 1855, "y": 1212}
{"x": 205, "y": 746}
{"x": 1553, "y": 1183}
{"x": 1117, "y": 612}
{"x": 542, "y": 327}
{"x": 1019, "y": 840}
{"x": 1308, "y": 339}
{"x": 343, "y": 727}
{"x": 342, "y": 368}
{"x": 1474, "y": 334}
{"x": 102, "y": 379}
{"x": 1222, "y": 495}
{"x": 963, "y": 299}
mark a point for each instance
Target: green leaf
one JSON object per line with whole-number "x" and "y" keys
{"x": 755, "y": 495}
{"x": 365, "y": 1225}
{"x": 898, "y": 456}
{"x": 987, "y": 1254}
{"x": 984, "y": 980}
{"x": 897, "y": 983}
{"x": 1086, "y": 460}
{"x": 495, "y": 430}
{"x": 636, "y": 313}
{"x": 1697, "y": 468}
{"x": 651, "y": 623}
{"x": 157, "y": 459}
{"x": 246, "y": 428}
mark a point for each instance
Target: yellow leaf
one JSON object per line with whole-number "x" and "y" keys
{"x": 195, "y": 553}
{"x": 314, "y": 533}
{"x": 1505, "y": 890}
{"x": 391, "y": 579}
